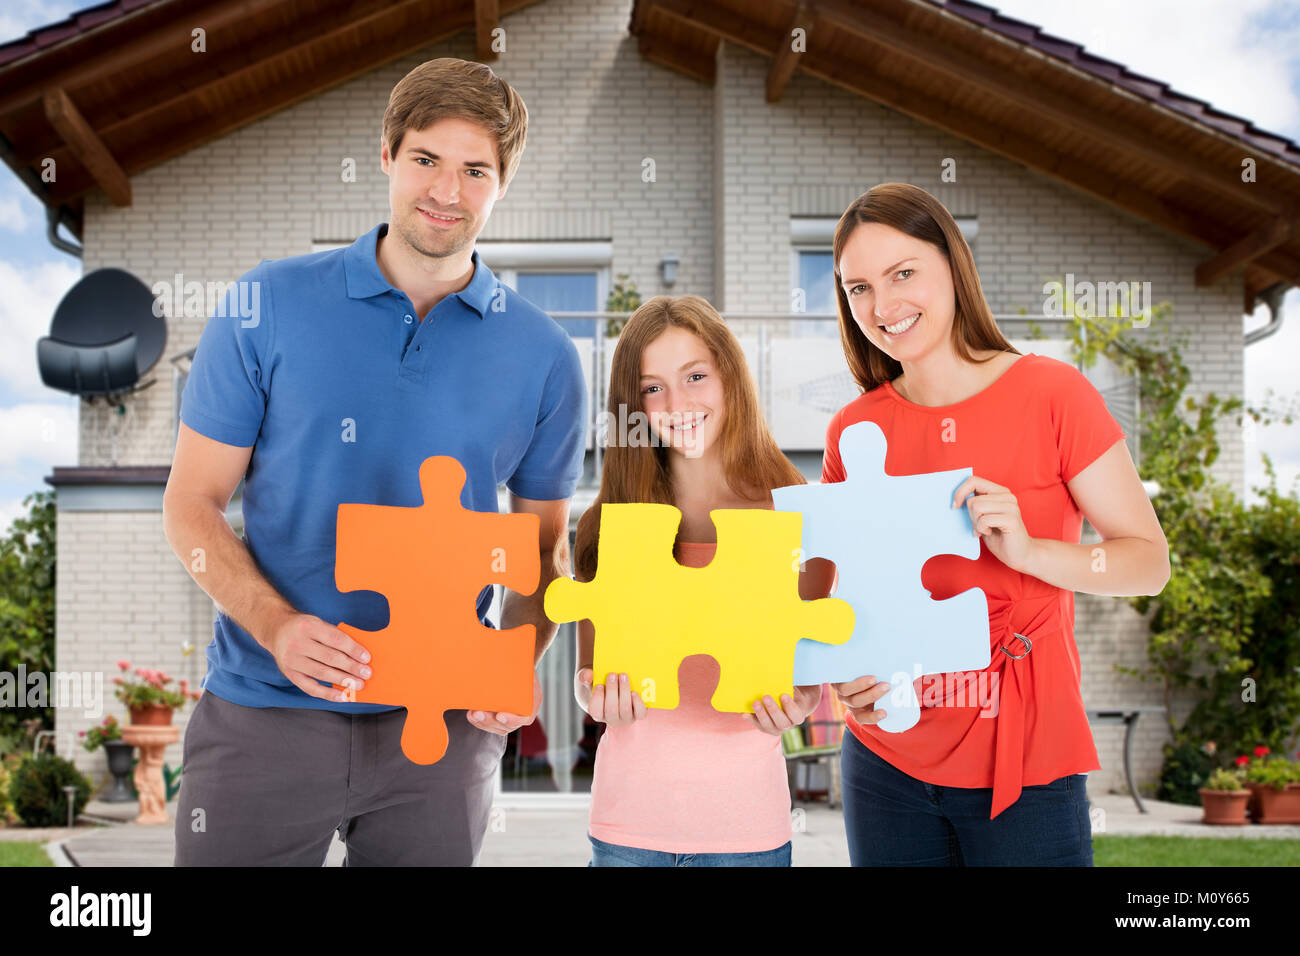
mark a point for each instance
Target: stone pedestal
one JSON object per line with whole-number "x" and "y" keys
{"x": 152, "y": 740}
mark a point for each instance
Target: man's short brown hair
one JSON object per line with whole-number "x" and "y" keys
{"x": 437, "y": 89}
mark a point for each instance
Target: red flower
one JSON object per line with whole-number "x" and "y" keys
{"x": 1242, "y": 761}
{"x": 1261, "y": 751}
{"x": 81, "y": 734}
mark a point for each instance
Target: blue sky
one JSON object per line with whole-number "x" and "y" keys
{"x": 1243, "y": 57}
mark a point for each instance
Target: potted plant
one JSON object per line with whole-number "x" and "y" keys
{"x": 149, "y": 696}
{"x": 1274, "y": 784}
{"x": 120, "y": 757}
{"x": 1224, "y": 797}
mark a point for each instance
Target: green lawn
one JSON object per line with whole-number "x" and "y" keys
{"x": 15, "y": 853}
{"x": 1193, "y": 851}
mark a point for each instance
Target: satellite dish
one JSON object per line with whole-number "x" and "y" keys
{"x": 104, "y": 336}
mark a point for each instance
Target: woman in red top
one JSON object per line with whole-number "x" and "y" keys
{"x": 994, "y": 771}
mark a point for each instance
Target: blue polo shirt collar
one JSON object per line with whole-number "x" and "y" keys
{"x": 364, "y": 279}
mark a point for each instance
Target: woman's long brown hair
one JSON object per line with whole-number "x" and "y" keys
{"x": 914, "y": 212}
{"x": 752, "y": 461}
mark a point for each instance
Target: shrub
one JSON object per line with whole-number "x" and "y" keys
{"x": 36, "y": 790}
{"x": 1186, "y": 769}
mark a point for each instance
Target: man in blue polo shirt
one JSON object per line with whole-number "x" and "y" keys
{"x": 351, "y": 368}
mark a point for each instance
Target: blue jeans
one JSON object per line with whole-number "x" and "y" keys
{"x": 609, "y": 854}
{"x": 893, "y": 819}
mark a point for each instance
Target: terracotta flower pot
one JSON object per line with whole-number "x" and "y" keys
{"x": 153, "y": 715}
{"x": 1227, "y": 807}
{"x": 1278, "y": 805}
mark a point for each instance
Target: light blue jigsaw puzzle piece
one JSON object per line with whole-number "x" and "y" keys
{"x": 879, "y": 530}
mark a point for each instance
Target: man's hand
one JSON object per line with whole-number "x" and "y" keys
{"x": 306, "y": 649}
{"x": 501, "y": 722}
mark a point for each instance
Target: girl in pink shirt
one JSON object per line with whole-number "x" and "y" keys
{"x": 689, "y": 786}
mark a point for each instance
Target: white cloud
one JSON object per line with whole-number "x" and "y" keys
{"x": 19, "y": 16}
{"x": 40, "y": 434}
{"x": 28, "y": 297}
{"x": 12, "y": 216}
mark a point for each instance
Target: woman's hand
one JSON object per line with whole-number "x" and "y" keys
{"x": 995, "y": 515}
{"x": 615, "y": 702}
{"x": 860, "y": 696}
{"x": 776, "y": 719}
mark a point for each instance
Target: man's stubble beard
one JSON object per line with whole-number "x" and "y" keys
{"x": 410, "y": 229}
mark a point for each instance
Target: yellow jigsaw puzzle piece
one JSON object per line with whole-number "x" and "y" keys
{"x": 743, "y": 608}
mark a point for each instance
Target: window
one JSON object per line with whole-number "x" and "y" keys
{"x": 555, "y": 276}
{"x": 562, "y": 292}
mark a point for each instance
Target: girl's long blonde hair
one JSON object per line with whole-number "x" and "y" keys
{"x": 752, "y": 461}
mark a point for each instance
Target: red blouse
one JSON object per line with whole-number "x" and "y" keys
{"x": 1021, "y": 722}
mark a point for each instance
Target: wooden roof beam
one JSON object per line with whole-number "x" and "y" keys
{"x": 1246, "y": 250}
{"x": 370, "y": 14}
{"x": 659, "y": 50}
{"x": 86, "y": 147}
{"x": 964, "y": 68}
{"x": 786, "y": 59}
{"x": 1032, "y": 154}
{"x": 487, "y": 17}
{"x": 174, "y": 38}
{"x": 301, "y": 85}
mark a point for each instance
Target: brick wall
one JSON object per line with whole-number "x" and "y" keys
{"x": 122, "y": 595}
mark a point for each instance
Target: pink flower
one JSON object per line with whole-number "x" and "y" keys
{"x": 124, "y": 665}
{"x": 1209, "y": 747}
{"x": 81, "y": 734}
{"x": 118, "y": 680}
{"x": 1261, "y": 751}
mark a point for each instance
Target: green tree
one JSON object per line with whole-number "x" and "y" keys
{"x": 27, "y": 558}
{"x": 623, "y": 297}
{"x": 1226, "y": 628}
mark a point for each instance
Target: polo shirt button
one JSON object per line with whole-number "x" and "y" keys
{"x": 409, "y": 319}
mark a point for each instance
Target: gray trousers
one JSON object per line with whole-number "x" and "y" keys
{"x": 269, "y": 786}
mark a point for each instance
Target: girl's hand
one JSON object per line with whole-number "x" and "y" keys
{"x": 995, "y": 515}
{"x": 614, "y": 702}
{"x": 860, "y": 696}
{"x": 773, "y": 718}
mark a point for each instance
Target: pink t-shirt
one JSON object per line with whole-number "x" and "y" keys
{"x": 691, "y": 779}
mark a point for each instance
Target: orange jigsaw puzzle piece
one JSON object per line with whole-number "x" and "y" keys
{"x": 431, "y": 562}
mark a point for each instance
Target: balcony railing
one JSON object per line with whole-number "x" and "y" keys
{"x": 802, "y": 380}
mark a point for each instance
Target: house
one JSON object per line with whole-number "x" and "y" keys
{"x": 702, "y": 146}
